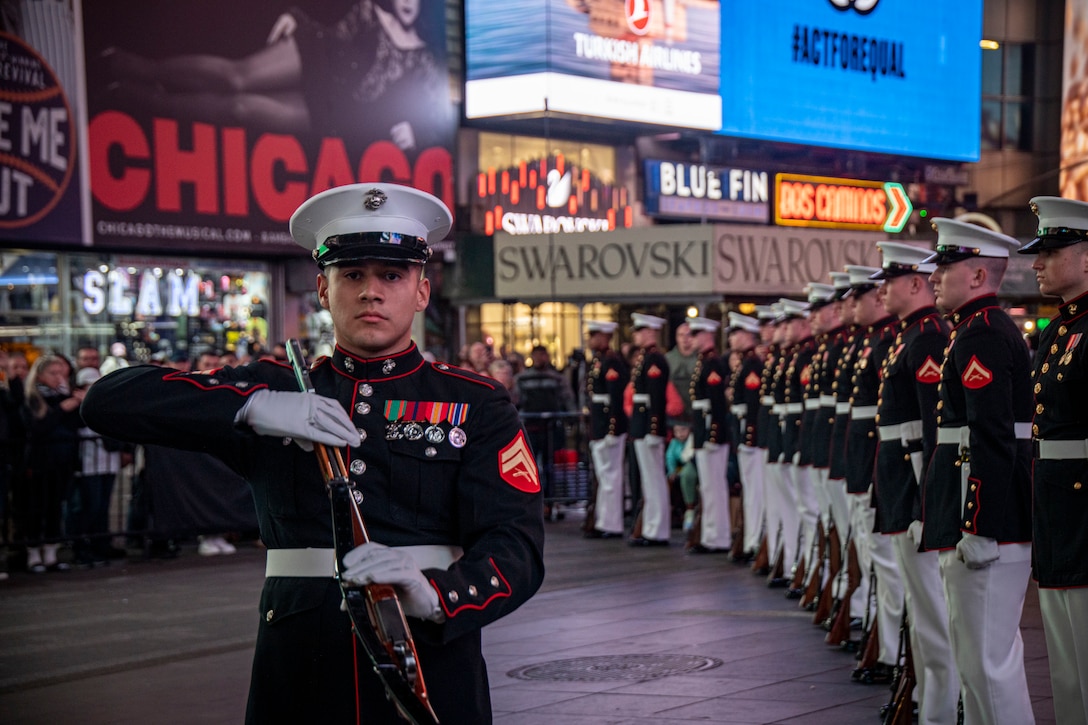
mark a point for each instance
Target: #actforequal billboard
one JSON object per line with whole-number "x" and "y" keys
{"x": 891, "y": 76}
{"x": 645, "y": 61}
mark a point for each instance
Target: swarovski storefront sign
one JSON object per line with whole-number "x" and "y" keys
{"x": 671, "y": 261}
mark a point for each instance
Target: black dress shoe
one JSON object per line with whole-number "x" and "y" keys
{"x": 639, "y": 541}
{"x": 778, "y": 582}
{"x": 700, "y": 549}
{"x": 878, "y": 674}
{"x": 598, "y": 534}
{"x": 794, "y": 593}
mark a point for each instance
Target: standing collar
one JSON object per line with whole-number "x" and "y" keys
{"x": 377, "y": 368}
{"x": 969, "y": 308}
{"x": 1074, "y": 308}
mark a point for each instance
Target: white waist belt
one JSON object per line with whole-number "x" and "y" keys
{"x": 962, "y": 434}
{"x": 703, "y": 404}
{"x": 1061, "y": 450}
{"x": 827, "y": 401}
{"x": 322, "y": 562}
{"x": 909, "y": 431}
{"x": 600, "y": 398}
{"x": 841, "y": 408}
{"x": 767, "y": 400}
{"x": 793, "y": 408}
{"x": 812, "y": 404}
{"x": 740, "y": 410}
{"x": 778, "y": 409}
{"x": 862, "y": 412}
{"x": 641, "y": 398}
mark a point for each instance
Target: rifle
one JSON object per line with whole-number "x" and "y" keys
{"x": 838, "y": 634}
{"x": 376, "y": 615}
{"x": 826, "y": 596}
{"x": 900, "y": 709}
{"x": 761, "y": 565}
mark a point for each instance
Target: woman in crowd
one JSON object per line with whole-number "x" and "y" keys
{"x": 51, "y": 415}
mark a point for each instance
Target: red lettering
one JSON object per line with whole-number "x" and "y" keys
{"x": 383, "y": 161}
{"x": 434, "y": 174}
{"x": 112, "y": 131}
{"x": 235, "y": 186}
{"x": 272, "y": 153}
{"x": 173, "y": 166}
{"x": 332, "y": 168}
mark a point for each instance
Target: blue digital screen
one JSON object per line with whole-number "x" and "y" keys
{"x": 893, "y": 76}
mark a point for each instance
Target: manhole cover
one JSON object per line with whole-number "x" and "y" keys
{"x": 615, "y": 667}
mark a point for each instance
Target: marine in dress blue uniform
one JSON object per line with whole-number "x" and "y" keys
{"x": 908, "y": 435}
{"x": 978, "y": 489}
{"x": 649, "y": 385}
{"x": 876, "y": 336}
{"x": 710, "y": 428}
{"x": 451, "y": 495}
{"x": 607, "y": 377}
{"x": 744, "y": 336}
{"x": 1060, "y": 430}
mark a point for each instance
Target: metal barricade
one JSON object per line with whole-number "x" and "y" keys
{"x": 561, "y": 448}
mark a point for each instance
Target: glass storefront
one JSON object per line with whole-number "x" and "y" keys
{"x": 155, "y": 305}
{"x": 517, "y": 327}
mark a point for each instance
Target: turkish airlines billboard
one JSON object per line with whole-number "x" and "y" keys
{"x": 645, "y": 61}
{"x": 210, "y": 122}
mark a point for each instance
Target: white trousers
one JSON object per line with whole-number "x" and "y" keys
{"x": 711, "y": 462}
{"x": 938, "y": 681}
{"x": 889, "y": 584}
{"x": 650, "y": 454}
{"x": 861, "y": 528}
{"x": 840, "y": 508}
{"x": 1065, "y": 621}
{"x": 607, "y": 454}
{"x": 782, "y": 518}
{"x": 984, "y": 610}
{"x": 808, "y": 508}
{"x": 751, "y": 462}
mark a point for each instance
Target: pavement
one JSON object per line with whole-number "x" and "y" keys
{"x": 616, "y": 636}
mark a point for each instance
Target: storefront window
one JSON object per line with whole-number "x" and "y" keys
{"x": 518, "y": 327}
{"x": 156, "y": 306}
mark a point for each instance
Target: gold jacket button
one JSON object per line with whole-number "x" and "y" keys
{"x": 1077, "y": 486}
{"x": 268, "y": 615}
{"x": 974, "y": 486}
{"x": 1039, "y": 408}
{"x": 967, "y": 524}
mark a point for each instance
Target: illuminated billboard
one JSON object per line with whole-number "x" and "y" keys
{"x": 891, "y": 76}
{"x": 821, "y": 201}
{"x": 1073, "y": 181}
{"x": 646, "y": 61}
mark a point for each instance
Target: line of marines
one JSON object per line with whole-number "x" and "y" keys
{"x": 906, "y": 461}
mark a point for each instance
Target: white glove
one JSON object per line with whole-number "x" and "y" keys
{"x": 375, "y": 563}
{"x": 305, "y": 417}
{"x": 914, "y": 532}
{"x": 977, "y": 552}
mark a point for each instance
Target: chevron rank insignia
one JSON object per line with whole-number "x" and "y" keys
{"x": 929, "y": 372}
{"x": 975, "y": 375}
{"x": 517, "y": 467}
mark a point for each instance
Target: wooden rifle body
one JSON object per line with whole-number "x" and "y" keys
{"x": 374, "y": 609}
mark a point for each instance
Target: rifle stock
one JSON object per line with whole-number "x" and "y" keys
{"x": 839, "y": 634}
{"x": 901, "y": 708}
{"x": 375, "y": 611}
